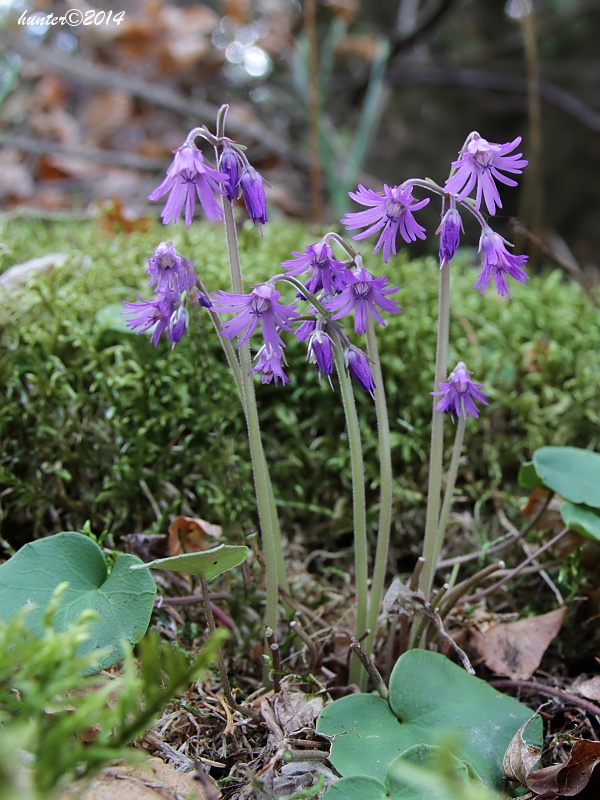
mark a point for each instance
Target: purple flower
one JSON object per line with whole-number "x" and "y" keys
{"x": 170, "y": 271}
{"x": 327, "y": 272}
{"x": 358, "y": 367}
{"x": 480, "y": 162}
{"x": 363, "y": 293}
{"x": 188, "y": 175}
{"x": 498, "y": 262}
{"x": 270, "y": 364}
{"x": 229, "y": 166}
{"x": 320, "y": 353}
{"x": 177, "y": 324}
{"x": 259, "y": 306}
{"x": 459, "y": 394}
{"x": 449, "y": 231}
{"x": 304, "y": 330}
{"x": 391, "y": 211}
{"x": 155, "y": 314}
{"x": 253, "y": 193}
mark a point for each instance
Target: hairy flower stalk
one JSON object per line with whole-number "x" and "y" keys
{"x": 437, "y": 439}
{"x": 385, "y": 490}
{"x": 357, "y": 675}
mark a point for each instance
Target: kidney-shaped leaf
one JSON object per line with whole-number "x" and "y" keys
{"x": 429, "y": 697}
{"x": 208, "y": 563}
{"x": 571, "y": 472}
{"x": 122, "y": 599}
{"x": 581, "y": 519}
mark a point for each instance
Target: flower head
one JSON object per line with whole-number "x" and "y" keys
{"x": 449, "y": 231}
{"x": 457, "y": 397}
{"x": 320, "y": 353}
{"x": 156, "y": 314}
{"x": 390, "y": 213}
{"x": 229, "y": 166}
{"x": 260, "y": 306}
{"x": 170, "y": 271}
{"x": 498, "y": 263}
{"x": 270, "y": 363}
{"x": 188, "y": 175}
{"x": 363, "y": 294}
{"x": 359, "y": 369}
{"x": 175, "y": 283}
{"x": 253, "y": 193}
{"x": 481, "y": 162}
{"x": 327, "y": 272}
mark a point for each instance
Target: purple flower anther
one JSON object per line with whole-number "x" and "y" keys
{"x": 458, "y": 396}
{"x": 449, "y": 231}
{"x": 229, "y": 166}
{"x": 482, "y": 163}
{"x": 359, "y": 369}
{"x": 363, "y": 293}
{"x": 253, "y": 193}
{"x": 188, "y": 175}
{"x": 326, "y": 272}
{"x": 260, "y": 306}
{"x": 498, "y": 263}
{"x": 390, "y": 213}
{"x": 269, "y": 363}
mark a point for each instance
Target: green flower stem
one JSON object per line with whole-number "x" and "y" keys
{"x": 431, "y": 547}
{"x": 450, "y": 484}
{"x": 267, "y": 512}
{"x": 357, "y": 675}
{"x": 385, "y": 488}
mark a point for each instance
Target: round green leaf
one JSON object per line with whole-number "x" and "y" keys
{"x": 358, "y": 787}
{"x": 425, "y": 771}
{"x": 122, "y": 599}
{"x": 528, "y": 477}
{"x": 433, "y": 696}
{"x": 367, "y": 735}
{"x": 581, "y": 519}
{"x": 430, "y": 697}
{"x": 207, "y": 563}
{"x": 571, "y": 472}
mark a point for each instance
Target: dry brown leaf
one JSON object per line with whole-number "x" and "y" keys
{"x": 571, "y": 779}
{"x": 589, "y": 688}
{"x": 117, "y": 219}
{"x": 520, "y": 757}
{"x": 515, "y": 649}
{"x": 190, "y": 535}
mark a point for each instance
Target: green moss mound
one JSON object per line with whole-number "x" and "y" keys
{"x": 99, "y": 425}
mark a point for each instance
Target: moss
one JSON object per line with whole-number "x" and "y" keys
{"x": 98, "y": 424}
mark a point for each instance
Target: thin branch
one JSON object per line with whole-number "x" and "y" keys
{"x": 533, "y": 687}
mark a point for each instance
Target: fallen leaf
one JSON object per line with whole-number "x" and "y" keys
{"x": 191, "y": 535}
{"x": 571, "y": 778}
{"x": 520, "y": 757}
{"x": 589, "y": 688}
{"x": 515, "y": 649}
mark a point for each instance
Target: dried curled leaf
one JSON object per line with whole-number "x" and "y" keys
{"x": 520, "y": 757}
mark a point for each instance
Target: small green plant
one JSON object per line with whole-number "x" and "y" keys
{"x": 50, "y": 700}
{"x": 433, "y": 707}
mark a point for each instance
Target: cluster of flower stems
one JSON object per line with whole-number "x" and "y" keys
{"x": 336, "y": 287}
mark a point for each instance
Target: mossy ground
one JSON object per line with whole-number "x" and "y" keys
{"x": 99, "y": 425}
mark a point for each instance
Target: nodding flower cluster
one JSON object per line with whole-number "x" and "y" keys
{"x": 335, "y": 287}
